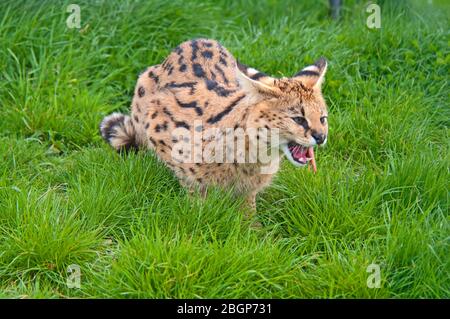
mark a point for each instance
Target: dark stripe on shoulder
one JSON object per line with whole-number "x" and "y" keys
{"x": 228, "y": 109}
{"x": 212, "y": 85}
{"x": 177, "y": 123}
{"x": 192, "y": 104}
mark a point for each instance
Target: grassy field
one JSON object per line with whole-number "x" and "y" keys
{"x": 380, "y": 195}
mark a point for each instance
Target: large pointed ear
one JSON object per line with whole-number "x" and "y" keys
{"x": 312, "y": 76}
{"x": 254, "y": 82}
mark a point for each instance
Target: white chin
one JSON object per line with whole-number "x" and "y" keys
{"x": 288, "y": 154}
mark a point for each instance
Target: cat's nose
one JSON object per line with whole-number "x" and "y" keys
{"x": 319, "y": 137}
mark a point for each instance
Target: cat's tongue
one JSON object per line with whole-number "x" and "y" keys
{"x": 299, "y": 153}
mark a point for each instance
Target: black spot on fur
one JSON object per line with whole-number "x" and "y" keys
{"x": 167, "y": 66}
{"x": 147, "y": 125}
{"x": 136, "y": 119}
{"x": 207, "y": 54}
{"x": 216, "y": 118}
{"x": 198, "y": 70}
{"x": 161, "y": 127}
{"x": 167, "y": 112}
{"x": 183, "y": 67}
{"x": 141, "y": 91}
{"x": 222, "y": 51}
{"x": 195, "y": 48}
{"x": 223, "y": 61}
{"x": 210, "y": 84}
{"x": 154, "y": 115}
{"x": 153, "y": 76}
{"x": 192, "y": 170}
{"x": 179, "y": 50}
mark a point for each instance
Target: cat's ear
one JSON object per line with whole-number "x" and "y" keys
{"x": 313, "y": 75}
{"x": 255, "y": 83}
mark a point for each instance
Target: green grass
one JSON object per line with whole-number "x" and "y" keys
{"x": 380, "y": 195}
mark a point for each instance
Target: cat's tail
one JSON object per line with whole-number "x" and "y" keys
{"x": 118, "y": 130}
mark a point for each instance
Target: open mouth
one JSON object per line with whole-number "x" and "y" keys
{"x": 300, "y": 155}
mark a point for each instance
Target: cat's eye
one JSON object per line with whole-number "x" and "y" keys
{"x": 300, "y": 120}
{"x": 323, "y": 119}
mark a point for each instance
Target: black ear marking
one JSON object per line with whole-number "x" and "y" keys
{"x": 315, "y": 69}
{"x": 307, "y": 73}
{"x": 242, "y": 67}
{"x": 321, "y": 63}
{"x": 257, "y": 76}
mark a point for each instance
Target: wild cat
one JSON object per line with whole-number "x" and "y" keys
{"x": 183, "y": 108}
